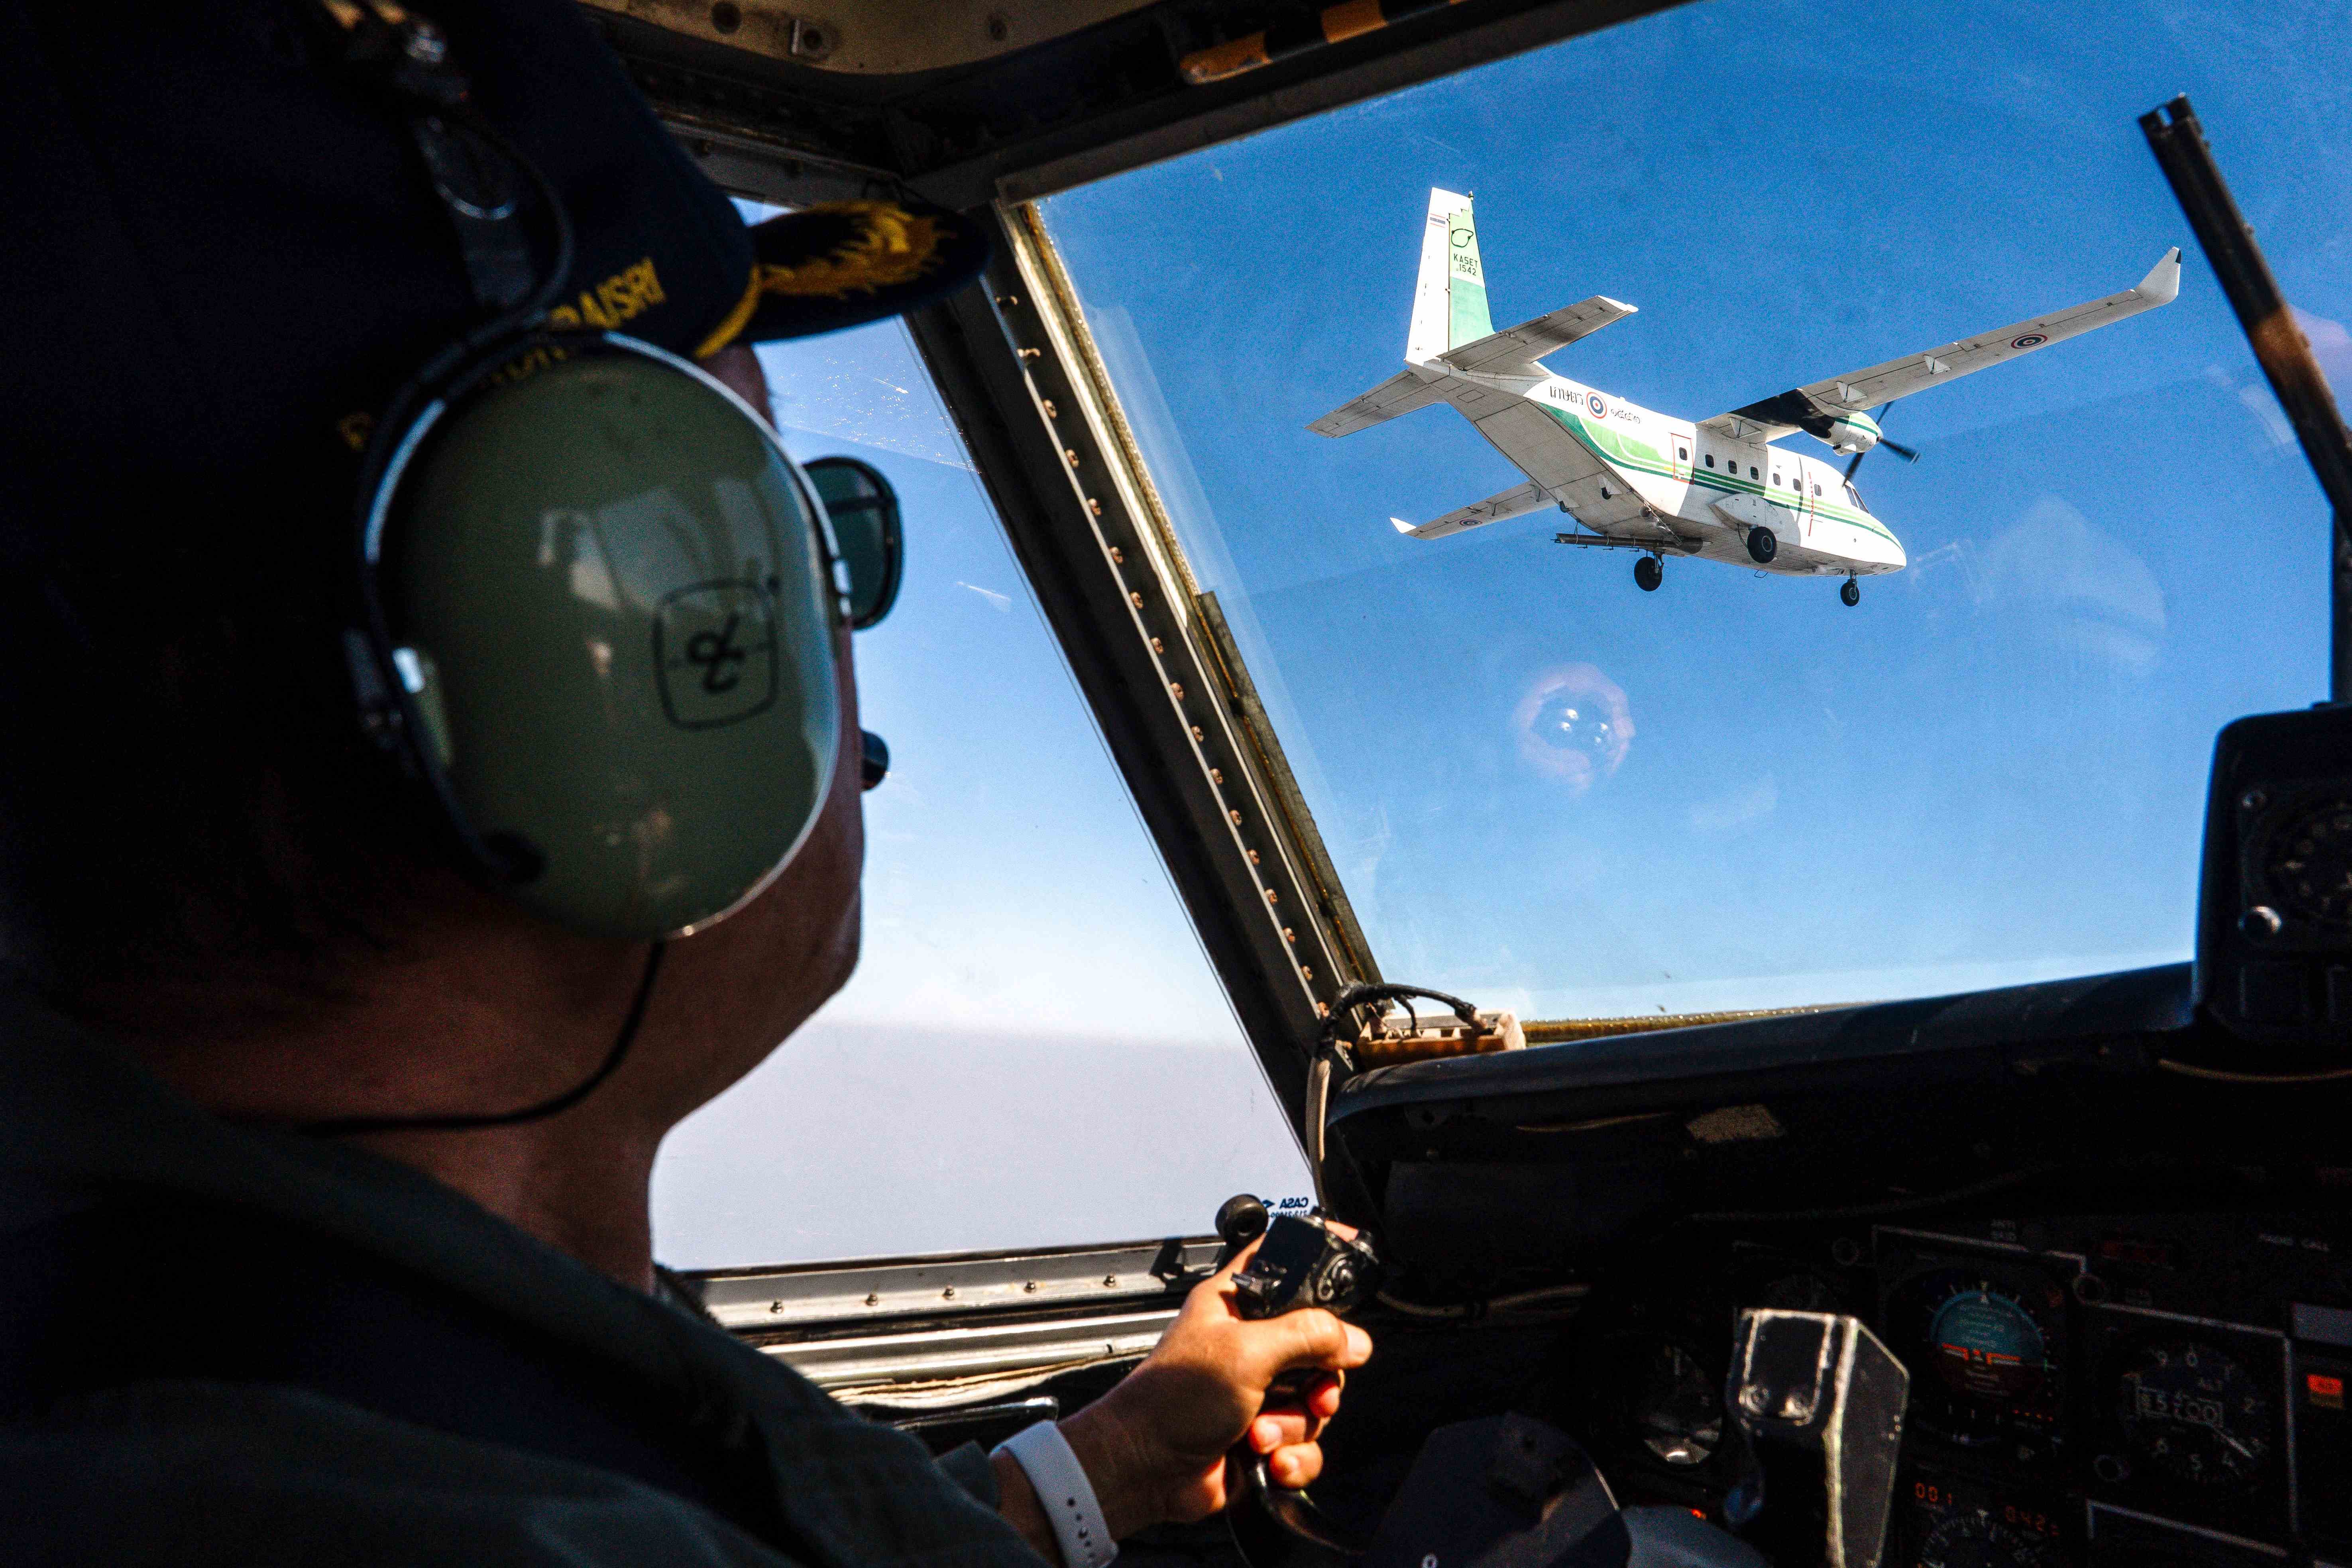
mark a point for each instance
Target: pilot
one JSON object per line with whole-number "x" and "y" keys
{"x": 329, "y": 1096}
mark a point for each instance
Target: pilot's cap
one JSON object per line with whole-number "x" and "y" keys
{"x": 224, "y": 256}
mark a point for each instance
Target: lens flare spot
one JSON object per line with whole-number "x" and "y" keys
{"x": 1574, "y": 724}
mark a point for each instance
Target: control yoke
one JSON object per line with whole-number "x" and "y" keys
{"x": 1816, "y": 1399}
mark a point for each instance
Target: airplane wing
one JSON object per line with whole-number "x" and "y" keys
{"x": 1515, "y": 350}
{"x": 1812, "y": 408}
{"x": 1399, "y": 394}
{"x": 1517, "y": 501}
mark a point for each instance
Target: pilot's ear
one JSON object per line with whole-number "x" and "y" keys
{"x": 738, "y": 369}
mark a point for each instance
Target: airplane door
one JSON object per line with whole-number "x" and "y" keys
{"x": 1679, "y": 447}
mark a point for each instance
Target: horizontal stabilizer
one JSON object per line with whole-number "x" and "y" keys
{"x": 1399, "y": 394}
{"x": 1515, "y": 503}
{"x": 1515, "y": 350}
{"x": 1814, "y": 408}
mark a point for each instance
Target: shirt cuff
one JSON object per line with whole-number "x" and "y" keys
{"x": 968, "y": 1466}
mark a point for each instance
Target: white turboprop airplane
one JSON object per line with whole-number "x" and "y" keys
{"x": 1640, "y": 480}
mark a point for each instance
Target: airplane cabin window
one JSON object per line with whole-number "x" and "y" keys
{"x": 1034, "y": 1049}
{"x": 1986, "y": 767}
{"x": 1710, "y": 459}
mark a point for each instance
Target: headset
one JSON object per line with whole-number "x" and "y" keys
{"x": 594, "y": 601}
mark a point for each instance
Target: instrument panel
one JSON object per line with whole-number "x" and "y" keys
{"x": 2101, "y": 1390}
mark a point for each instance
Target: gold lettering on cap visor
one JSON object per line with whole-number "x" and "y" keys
{"x": 628, "y": 293}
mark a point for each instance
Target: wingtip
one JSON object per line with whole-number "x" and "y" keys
{"x": 2162, "y": 284}
{"x": 1400, "y": 525}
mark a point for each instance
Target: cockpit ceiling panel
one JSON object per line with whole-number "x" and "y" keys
{"x": 925, "y": 95}
{"x": 874, "y": 37}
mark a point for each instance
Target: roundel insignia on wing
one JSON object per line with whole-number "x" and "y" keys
{"x": 1593, "y": 401}
{"x": 2030, "y": 341}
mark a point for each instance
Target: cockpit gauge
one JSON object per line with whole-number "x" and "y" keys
{"x": 2308, "y": 862}
{"x": 1677, "y": 1408}
{"x": 1973, "y": 1537}
{"x": 2192, "y": 1411}
{"x": 1801, "y": 1293}
{"x": 1986, "y": 1345}
{"x": 1985, "y": 1352}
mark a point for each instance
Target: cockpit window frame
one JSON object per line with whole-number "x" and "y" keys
{"x": 1017, "y": 369}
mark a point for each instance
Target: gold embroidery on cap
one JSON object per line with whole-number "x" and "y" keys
{"x": 631, "y": 292}
{"x": 892, "y": 247}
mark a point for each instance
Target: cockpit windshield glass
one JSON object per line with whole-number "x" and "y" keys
{"x": 1609, "y": 693}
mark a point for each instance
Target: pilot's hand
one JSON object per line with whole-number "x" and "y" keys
{"x": 1155, "y": 1446}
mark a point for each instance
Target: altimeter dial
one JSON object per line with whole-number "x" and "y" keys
{"x": 2194, "y": 1412}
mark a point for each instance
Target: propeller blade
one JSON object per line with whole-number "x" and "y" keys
{"x": 1897, "y": 448}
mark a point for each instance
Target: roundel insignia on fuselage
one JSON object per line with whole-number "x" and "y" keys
{"x": 1593, "y": 401}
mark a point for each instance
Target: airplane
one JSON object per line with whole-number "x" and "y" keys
{"x": 1637, "y": 479}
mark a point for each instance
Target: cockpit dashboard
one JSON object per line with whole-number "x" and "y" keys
{"x": 2122, "y": 1284}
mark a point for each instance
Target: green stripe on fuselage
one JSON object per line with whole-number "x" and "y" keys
{"x": 1616, "y": 448}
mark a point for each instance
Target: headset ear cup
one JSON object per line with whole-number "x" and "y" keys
{"x": 611, "y": 572}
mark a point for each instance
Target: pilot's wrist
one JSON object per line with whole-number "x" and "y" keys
{"x": 1112, "y": 1453}
{"x": 1045, "y": 1493}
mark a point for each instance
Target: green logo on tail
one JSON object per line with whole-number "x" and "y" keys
{"x": 1466, "y": 317}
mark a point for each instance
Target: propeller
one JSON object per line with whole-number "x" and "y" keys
{"x": 1897, "y": 448}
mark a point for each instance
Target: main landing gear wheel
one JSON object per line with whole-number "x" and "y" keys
{"x": 1851, "y": 593}
{"x": 1648, "y": 573}
{"x": 1761, "y": 545}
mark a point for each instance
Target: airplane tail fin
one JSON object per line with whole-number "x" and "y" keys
{"x": 1449, "y": 312}
{"x": 1449, "y": 301}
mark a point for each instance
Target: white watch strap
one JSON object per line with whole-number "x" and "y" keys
{"x": 1064, "y": 1494}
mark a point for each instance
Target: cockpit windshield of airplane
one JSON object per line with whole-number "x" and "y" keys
{"x": 1608, "y": 692}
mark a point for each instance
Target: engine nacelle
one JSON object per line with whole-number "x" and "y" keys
{"x": 1853, "y": 433}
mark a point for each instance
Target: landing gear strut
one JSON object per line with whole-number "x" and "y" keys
{"x": 1761, "y": 545}
{"x": 1649, "y": 571}
{"x": 1851, "y": 593}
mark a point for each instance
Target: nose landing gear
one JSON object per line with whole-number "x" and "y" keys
{"x": 1649, "y": 571}
{"x": 1851, "y": 593}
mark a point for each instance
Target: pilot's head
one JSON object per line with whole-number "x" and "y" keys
{"x": 361, "y": 599}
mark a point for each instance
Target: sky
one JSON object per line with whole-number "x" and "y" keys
{"x": 1034, "y": 1049}
{"x": 1990, "y": 770}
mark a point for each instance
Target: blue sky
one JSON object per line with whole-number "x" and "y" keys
{"x": 1993, "y": 769}
{"x": 1034, "y": 1049}
{"x": 1989, "y": 771}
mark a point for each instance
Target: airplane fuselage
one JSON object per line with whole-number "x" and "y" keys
{"x": 1640, "y": 480}
{"x": 1702, "y": 491}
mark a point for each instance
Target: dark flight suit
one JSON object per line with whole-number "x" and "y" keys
{"x": 224, "y": 1345}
